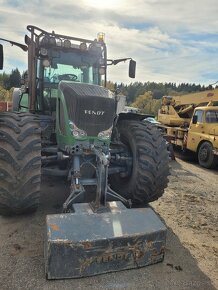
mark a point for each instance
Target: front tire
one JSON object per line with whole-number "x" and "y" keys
{"x": 20, "y": 163}
{"x": 150, "y": 165}
{"x": 206, "y": 157}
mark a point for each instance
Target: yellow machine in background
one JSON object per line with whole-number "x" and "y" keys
{"x": 191, "y": 122}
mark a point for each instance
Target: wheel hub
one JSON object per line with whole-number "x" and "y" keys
{"x": 204, "y": 154}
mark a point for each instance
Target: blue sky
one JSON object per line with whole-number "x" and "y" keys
{"x": 172, "y": 41}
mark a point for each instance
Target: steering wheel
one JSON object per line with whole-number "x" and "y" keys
{"x": 67, "y": 77}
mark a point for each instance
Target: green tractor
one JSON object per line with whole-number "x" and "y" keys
{"x": 65, "y": 122}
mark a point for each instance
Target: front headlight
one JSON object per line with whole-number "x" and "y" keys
{"x": 76, "y": 132}
{"x": 105, "y": 135}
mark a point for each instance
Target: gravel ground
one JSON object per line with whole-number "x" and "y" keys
{"x": 189, "y": 209}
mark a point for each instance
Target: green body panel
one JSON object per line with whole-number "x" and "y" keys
{"x": 66, "y": 138}
{"x": 24, "y": 102}
{"x": 63, "y": 138}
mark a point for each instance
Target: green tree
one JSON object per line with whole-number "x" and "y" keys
{"x": 14, "y": 78}
{"x": 4, "y": 94}
{"x": 4, "y": 79}
{"x": 147, "y": 104}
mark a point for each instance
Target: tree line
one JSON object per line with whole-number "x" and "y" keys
{"x": 145, "y": 96}
{"x": 158, "y": 90}
{"x": 7, "y": 82}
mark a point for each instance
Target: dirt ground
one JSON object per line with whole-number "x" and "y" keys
{"x": 188, "y": 208}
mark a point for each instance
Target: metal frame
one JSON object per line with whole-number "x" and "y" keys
{"x": 33, "y": 43}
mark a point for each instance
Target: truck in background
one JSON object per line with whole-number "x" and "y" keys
{"x": 191, "y": 123}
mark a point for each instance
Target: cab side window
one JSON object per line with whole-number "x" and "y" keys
{"x": 199, "y": 114}
{"x": 212, "y": 116}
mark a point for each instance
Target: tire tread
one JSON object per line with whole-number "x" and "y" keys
{"x": 20, "y": 163}
{"x": 151, "y": 166}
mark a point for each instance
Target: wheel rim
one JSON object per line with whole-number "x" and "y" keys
{"x": 204, "y": 154}
{"x": 129, "y": 164}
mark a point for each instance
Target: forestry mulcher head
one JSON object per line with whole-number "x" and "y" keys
{"x": 112, "y": 160}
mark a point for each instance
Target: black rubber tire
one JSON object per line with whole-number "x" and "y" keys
{"x": 20, "y": 163}
{"x": 206, "y": 157}
{"x": 150, "y": 170}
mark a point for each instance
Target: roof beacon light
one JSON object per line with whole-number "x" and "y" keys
{"x": 101, "y": 37}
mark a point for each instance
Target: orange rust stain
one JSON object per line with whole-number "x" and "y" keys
{"x": 54, "y": 227}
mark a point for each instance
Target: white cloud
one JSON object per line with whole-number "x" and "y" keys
{"x": 169, "y": 39}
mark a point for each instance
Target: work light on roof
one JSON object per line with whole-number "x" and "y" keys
{"x": 52, "y": 41}
{"x": 83, "y": 46}
{"x": 45, "y": 40}
{"x": 67, "y": 43}
{"x": 43, "y": 51}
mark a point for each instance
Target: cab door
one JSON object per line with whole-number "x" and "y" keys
{"x": 196, "y": 130}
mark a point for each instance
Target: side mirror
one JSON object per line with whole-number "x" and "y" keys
{"x": 132, "y": 68}
{"x": 1, "y": 56}
{"x": 194, "y": 119}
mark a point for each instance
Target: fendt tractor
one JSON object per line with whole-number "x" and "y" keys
{"x": 191, "y": 123}
{"x": 66, "y": 123}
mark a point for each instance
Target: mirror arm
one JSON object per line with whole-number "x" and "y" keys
{"x": 116, "y": 61}
{"x": 22, "y": 46}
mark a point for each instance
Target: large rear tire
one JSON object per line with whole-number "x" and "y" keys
{"x": 150, "y": 165}
{"x": 20, "y": 163}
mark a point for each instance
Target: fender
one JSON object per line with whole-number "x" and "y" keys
{"x": 133, "y": 116}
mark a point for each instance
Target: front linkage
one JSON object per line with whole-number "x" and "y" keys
{"x": 100, "y": 162}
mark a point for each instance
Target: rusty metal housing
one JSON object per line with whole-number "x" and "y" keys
{"x": 86, "y": 243}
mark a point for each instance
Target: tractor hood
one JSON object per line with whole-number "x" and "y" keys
{"x": 90, "y": 107}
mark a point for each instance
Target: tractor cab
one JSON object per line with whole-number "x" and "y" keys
{"x": 53, "y": 58}
{"x": 71, "y": 60}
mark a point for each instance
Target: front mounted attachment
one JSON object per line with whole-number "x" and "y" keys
{"x": 103, "y": 190}
{"x": 101, "y": 236}
{"x": 87, "y": 243}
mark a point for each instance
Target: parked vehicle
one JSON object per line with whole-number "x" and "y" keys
{"x": 65, "y": 123}
{"x": 191, "y": 123}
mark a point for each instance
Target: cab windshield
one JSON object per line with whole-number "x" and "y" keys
{"x": 69, "y": 65}
{"x": 72, "y": 65}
